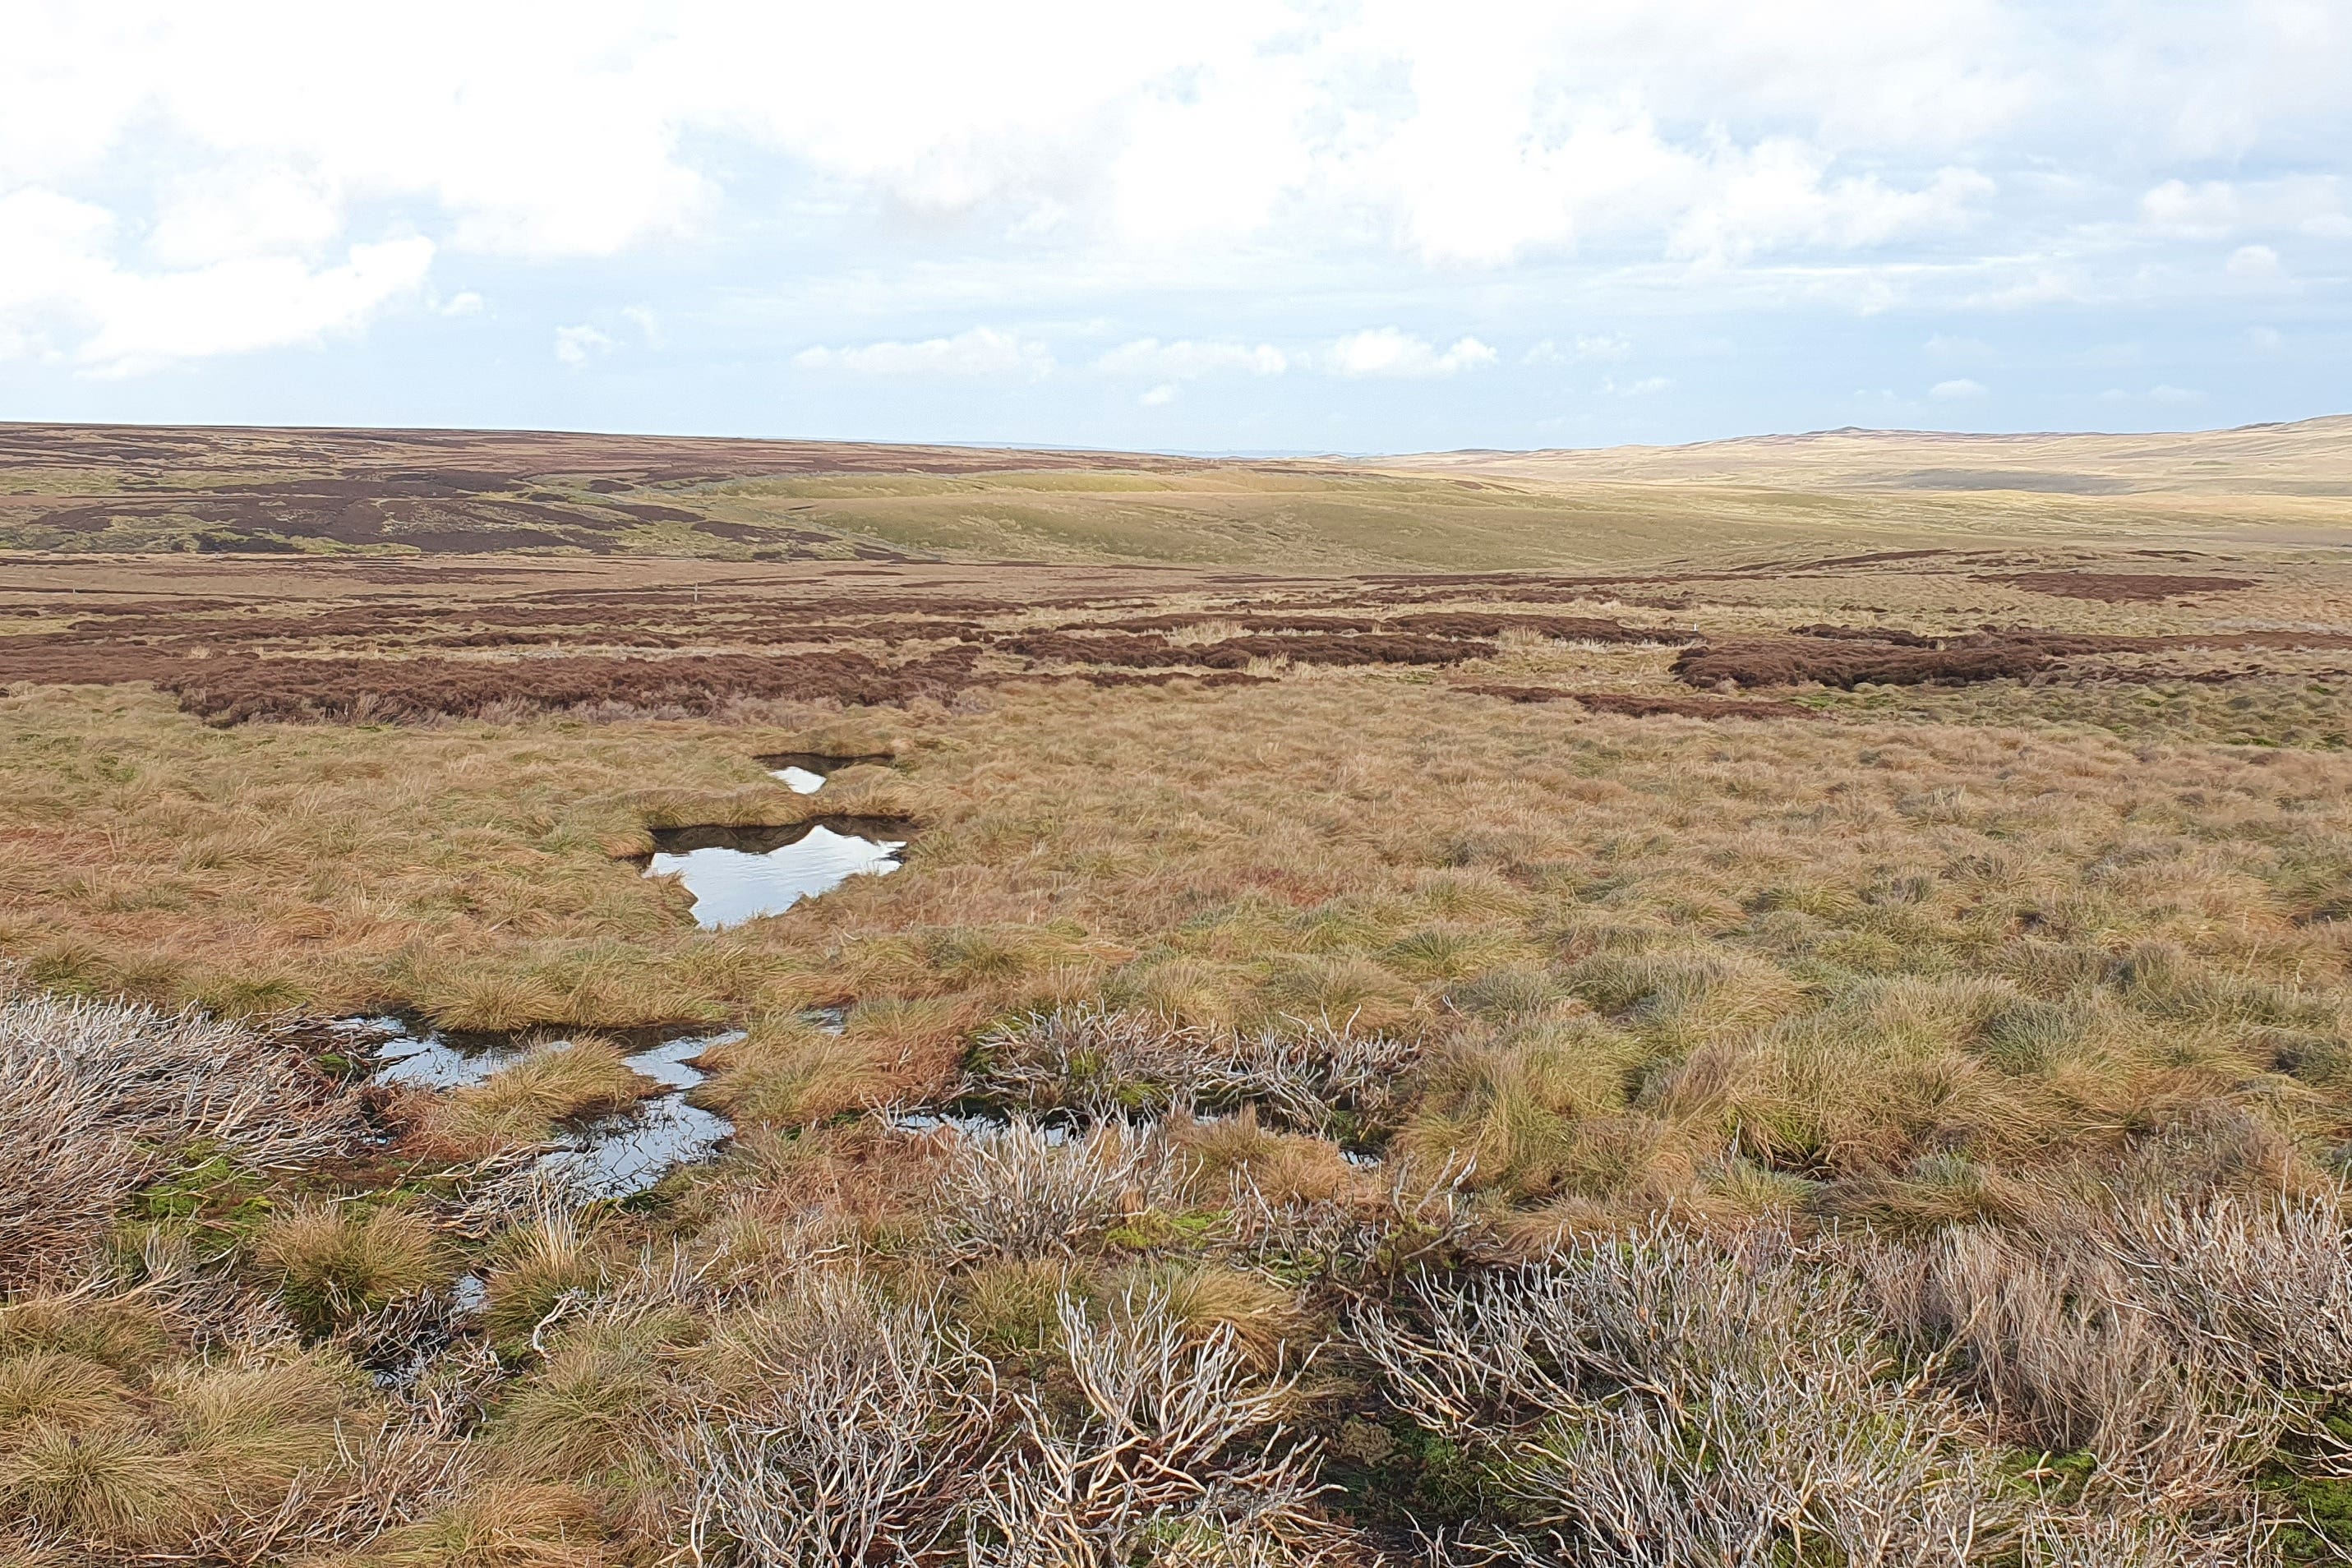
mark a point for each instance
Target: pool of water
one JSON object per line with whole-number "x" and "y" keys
{"x": 808, "y": 772}
{"x": 431, "y": 1059}
{"x": 739, "y": 874}
{"x": 608, "y": 1157}
{"x": 804, "y": 773}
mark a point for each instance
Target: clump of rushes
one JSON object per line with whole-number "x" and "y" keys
{"x": 542, "y": 1270}
{"x": 112, "y": 1486}
{"x": 601, "y": 1392}
{"x": 1521, "y": 1100}
{"x": 120, "y": 1334}
{"x": 498, "y": 1525}
{"x": 336, "y": 1262}
{"x": 248, "y": 1431}
{"x": 1012, "y": 1305}
{"x": 556, "y": 1082}
{"x": 1205, "y": 1299}
{"x": 63, "y": 1391}
{"x": 1284, "y": 1167}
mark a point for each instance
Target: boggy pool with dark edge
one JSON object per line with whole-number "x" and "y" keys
{"x": 737, "y": 874}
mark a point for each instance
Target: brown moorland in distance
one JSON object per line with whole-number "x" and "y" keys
{"x": 1664, "y": 1009}
{"x": 100, "y": 489}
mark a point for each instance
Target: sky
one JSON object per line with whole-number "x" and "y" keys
{"x": 1257, "y": 227}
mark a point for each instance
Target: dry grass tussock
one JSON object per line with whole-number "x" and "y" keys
{"x": 560, "y": 1081}
{"x": 99, "y": 1098}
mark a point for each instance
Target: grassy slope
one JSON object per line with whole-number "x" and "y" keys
{"x": 2275, "y": 486}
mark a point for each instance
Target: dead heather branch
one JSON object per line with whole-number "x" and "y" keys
{"x": 1307, "y": 1078}
{"x": 1020, "y": 1192}
{"x": 2054, "y": 1344}
{"x": 1667, "y": 1399}
{"x": 1762, "y": 1464}
{"x": 507, "y": 1189}
{"x": 2058, "y": 1542}
{"x": 1106, "y": 1061}
{"x": 98, "y": 1098}
{"x": 1175, "y": 1445}
{"x": 1097, "y": 1061}
{"x": 2262, "y": 1288}
{"x": 863, "y": 1445}
{"x": 1416, "y": 1216}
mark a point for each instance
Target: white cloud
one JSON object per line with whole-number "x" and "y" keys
{"x": 981, "y": 352}
{"x": 1647, "y": 386}
{"x": 465, "y": 302}
{"x": 1715, "y": 129}
{"x": 65, "y": 295}
{"x": 649, "y": 325}
{"x": 994, "y": 163}
{"x": 1159, "y": 396}
{"x": 576, "y": 346}
{"x": 225, "y": 214}
{"x": 2264, "y": 340}
{"x": 2205, "y": 211}
{"x": 1386, "y": 350}
{"x": 2256, "y": 264}
{"x": 1958, "y": 349}
{"x": 2164, "y": 395}
{"x": 1185, "y": 360}
{"x": 1781, "y": 195}
{"x": 1956, "y": 391}
{"x": 1607, "y": 346}
{"x": 2315, "y": 204}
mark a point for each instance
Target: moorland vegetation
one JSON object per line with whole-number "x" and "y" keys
{"x": 1830, "y": 1059}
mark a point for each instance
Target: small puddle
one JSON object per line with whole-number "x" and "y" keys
{"x": 432, "y": 1060}
{"x": 804, "y": 773}
{"x": 608, "y": 1157}
{"x": 738, "y": 874}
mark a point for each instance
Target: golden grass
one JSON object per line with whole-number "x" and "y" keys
{"x": 124, "y": 1335}
{"x": 114, "y": 1485}
{"x": 501, "y": 1525}
{"x": 1203, "y": 1299}
{"x": 787, "y": 1073}
{"x": 250, "y": 1431}
{"x": 521, "y": 1104}
{"x": 61, "y": 1391}
{"x": 538, "y": 1267}
{"x": 1989, "y": 958}
{"x": 1011, "y": 1305}
{"x": 1285, "y": 1167}
{"x": 333, "y": 1263}
{"x": 600, "y": 1394}
{"x": 1748, "y": 915}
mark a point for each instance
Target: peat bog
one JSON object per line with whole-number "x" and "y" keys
{"x": 1829, "y": 1048}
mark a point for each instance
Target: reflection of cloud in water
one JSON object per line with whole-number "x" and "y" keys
{"x": 610, "y": 1157}
{"x": 731, "y": 884}
{"x": 800, "y": 780}
{"x": 804, "y": 773}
